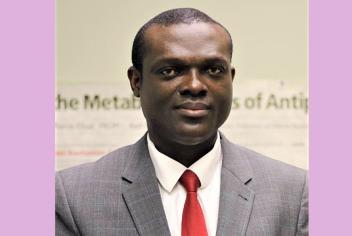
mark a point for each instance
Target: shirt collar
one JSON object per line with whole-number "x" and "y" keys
{"x": 169, "y": 171}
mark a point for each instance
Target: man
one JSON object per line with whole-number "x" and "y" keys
{"x": 183, "y": 177}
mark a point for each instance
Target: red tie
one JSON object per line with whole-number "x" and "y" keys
{"x": 193, "y": 223}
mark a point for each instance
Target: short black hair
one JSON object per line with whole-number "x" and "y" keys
{"x": 167, "y": 18}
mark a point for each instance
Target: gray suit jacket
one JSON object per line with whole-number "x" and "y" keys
{"x": 119, "y": 195}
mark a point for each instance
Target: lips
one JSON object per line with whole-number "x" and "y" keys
{"x": 193, "y": 109}
{"x": 193, "y": 106}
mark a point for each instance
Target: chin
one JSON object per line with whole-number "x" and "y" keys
{"x": 193, "y": 137}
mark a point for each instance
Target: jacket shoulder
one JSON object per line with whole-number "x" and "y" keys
{"x": 281, "y": 194}
{"x": 263, "y": 174}
{"x": 263, "y": 166}
{"x": 109, "y": 166}
{"x": 89, "y": 192}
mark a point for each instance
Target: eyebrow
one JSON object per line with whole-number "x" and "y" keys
{"x": 178, "y": 61}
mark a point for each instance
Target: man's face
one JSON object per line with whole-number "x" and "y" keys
{"x": 186, "y": 83}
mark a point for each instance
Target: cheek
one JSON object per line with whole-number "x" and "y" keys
{"x": 155, "y": 99}
{"x": 224, "y": 95}
{"x": 224, "y": 101}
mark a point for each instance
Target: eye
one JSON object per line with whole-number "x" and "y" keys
{"x": 169, "y": 72}
{"x": 214, "y": 70}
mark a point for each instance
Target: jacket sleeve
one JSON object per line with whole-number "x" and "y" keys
{"x": 64, "y": 222}
{"x": 302, "y": 224}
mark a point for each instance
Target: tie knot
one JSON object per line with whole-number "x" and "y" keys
{"x": 190, "y": 181}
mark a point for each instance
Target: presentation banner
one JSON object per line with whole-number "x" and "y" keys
{"x": 269, "y": 116}
{"x": 96, "y": 112}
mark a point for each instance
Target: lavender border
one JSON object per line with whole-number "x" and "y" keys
{"x": 27, "y": 117}
{"x": 330, "y": 117}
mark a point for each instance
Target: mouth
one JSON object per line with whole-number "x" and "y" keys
{"x": 193, "y": 109}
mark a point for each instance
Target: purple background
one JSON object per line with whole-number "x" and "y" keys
{"x": 330, "y": 79}
{"x": 27, "y": 117}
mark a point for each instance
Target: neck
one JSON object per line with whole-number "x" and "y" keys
{"x": 183, "y": 153}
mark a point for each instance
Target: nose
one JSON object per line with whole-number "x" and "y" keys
{"x": 193, "y": 85}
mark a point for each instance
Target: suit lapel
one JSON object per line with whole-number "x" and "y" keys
{"x": 142, "y": 196}
{"x": 236, "y": 198}
{"x": 141, "y": 193}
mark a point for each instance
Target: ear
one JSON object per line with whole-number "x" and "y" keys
{"x": 135, "y": 78}
{"x": 233, "y": 72}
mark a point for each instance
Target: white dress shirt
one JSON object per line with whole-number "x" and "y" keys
{"x": 173, "y": 195}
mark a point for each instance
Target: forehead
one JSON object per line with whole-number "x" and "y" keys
{"x": 186, "y": 42}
